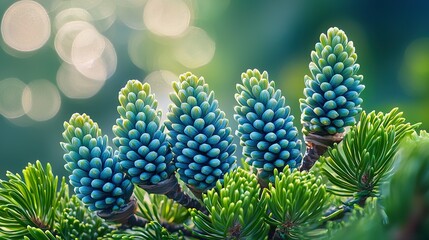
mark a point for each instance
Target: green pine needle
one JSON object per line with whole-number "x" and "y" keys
{"x": 360, "y": 223}
{"x": 236, "y": 210}
{"x": 77, "y": 222}
{"x": 358, "y": 165}
{"x": 159, "y": 208}
{"x": 30, "y": 201}
{"x": 296, "y": 202}
{"x": 152, "y": 231}
{"x": 39, "y": 234}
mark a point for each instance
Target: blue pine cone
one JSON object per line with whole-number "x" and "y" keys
{"x": 265, "y": 126}
{"x": 95, "y": 173}
{"x": 144, "y": 152}
{"x": 199, "y": 136}
{"x": 332, "y": 91}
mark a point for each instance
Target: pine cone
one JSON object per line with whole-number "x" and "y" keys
{"x": 265, "y": 126}
{"x": 332, "y": 92}
{"x": 144, "y": 152}
{"x": 199, "y": 136}
{"x": 95, "y": 172}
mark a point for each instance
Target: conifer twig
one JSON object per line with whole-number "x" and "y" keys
{"x": 317, "y": 145}
{"x": 172, "y": 190}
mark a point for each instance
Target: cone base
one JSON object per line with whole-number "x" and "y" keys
{"x": 121, "y": 216}
{"x": 317, "y": 145}
{"x": 163, "y": 187}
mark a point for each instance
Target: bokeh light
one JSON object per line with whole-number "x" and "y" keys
{"x": 65, "y": 37}
{"x": 41, "y": 100}
{"x": 11, "y": 90}
{"x": 26, "y": 26}
{"x": 75, "y": 85}
{"x": 150, "y": 52}
{"x": 94, "y": 55}
{"x": 130, "y": 12}
{"x": 103, "y": 14}
{"x": 195, "y": 49}
{"x": 70, "y": 15}
{"x": 85, "y": 4}
{"x": 167, "y": 17}
{"x": 161, "y": 85}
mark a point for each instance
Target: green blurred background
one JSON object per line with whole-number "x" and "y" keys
{"x": 109, "y": 42}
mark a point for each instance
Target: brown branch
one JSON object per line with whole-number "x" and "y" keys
{"x": 317, "y": 145}
{"x": 171, "y": 188}
{"x": 128, "y": 219}
{"x": 125, "y": 216}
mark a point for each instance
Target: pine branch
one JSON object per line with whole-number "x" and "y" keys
{"x": 236, "y": 210}
{"x": 172, "y": 190}
{"x": 361, "y": 162}
{"x": 30, "y": 202}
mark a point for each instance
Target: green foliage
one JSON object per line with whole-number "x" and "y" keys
{"x": 409, "y": 190}
{"x": 39, "y": 234}
{"x": 357, "y": 165}
{"x": 236, "y": 210}
{"x": 77, "y": 222}
{"x": 405, "y": 202}
{"x": 265, "y": 126}
{"x": 152, "y": 231}
{"x": 94, "y": 171}
{"x": 386, "y": 198}
{"x": 296, "y": 202}
{"x": 31, "y": 201}
{"x": 159, "y": 208}
{"x": 332, "y": 91}
{"x": 200, "y": 139}
{"x": 144, "y": 153}
{"x": 361, "y": 223}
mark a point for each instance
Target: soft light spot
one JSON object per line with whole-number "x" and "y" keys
{"x": 139, "y": 51}
{"x": 104, "y": 14}
{"x": 161, "y": 85}
{"x": 75, "y": 85}
{"x": 94, "y": 55}
{"x": 167, "y": 17}
{"x": 85, "y": 4}
{"x": 41, "y": 100}
{"x": 70, "y": 15}
{"x": 65, "y": 37}
{"x": 195, "y": 49}
{"x": 150, "y": 53}
{"x": 25, "y": 26}
{"x": 11, "y": 90}
{"x": 130, "y": 12}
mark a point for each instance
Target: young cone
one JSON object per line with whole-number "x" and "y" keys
{"x": 95, "y": 172}
{"x": 265, "y": 126}
{"x": 144, "y": 152}
{"x": 332, "y": 94}
{"x": 200, "y": 138}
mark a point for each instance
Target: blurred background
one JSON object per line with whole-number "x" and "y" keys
{"x": 58, "y": 57}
